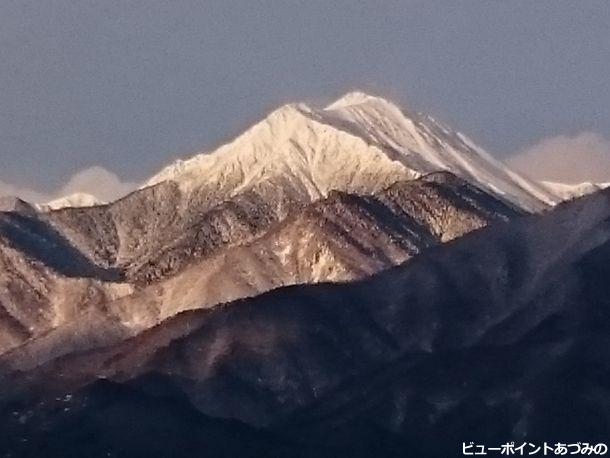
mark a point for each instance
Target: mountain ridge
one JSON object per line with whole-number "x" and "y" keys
{"x": 378, "y": 129}
{"x": 339, "y": 238}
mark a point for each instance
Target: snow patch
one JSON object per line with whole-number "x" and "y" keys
{"x": 573, "y": 191}
{"x": 79, "y": 199}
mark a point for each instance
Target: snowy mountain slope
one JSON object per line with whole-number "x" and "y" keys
{"x": 291, "y": 146}
{"x": 79, "y": 199}
{"x": 150, "y": 233}
{"x": 573, "y": 191}
{"x": 358, "y": 144}
{"x": 422, "y": 142}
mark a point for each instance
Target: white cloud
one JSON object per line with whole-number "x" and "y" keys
{"x": 97, "y": 181}
{"x": 583, "y": 157}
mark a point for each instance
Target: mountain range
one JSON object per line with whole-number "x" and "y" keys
{"x": 354, "y": 280}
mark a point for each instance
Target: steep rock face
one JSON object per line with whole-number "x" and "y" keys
{"x": 346, "y": 237}
{"x": 528, "y": 298}
{"x": 340, "y": 238}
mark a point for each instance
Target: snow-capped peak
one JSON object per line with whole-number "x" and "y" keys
{"x": 358, "y": 143}
{"x": 292, "y": 145}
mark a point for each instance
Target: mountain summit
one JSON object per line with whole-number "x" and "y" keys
{"x": 359, "y": 143}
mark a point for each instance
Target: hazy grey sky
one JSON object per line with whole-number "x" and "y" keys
{"x": 131, "y": 85}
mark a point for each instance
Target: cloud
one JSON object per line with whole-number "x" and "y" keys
{"x": 99, "y": 182}
{"x": 7, "y": 189}
{"x": 583, "y": 157}
{"x": 96, "y": 180}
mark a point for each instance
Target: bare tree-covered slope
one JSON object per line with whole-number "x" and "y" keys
{"x": 343, "y": 237}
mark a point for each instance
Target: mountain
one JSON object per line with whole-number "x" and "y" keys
{"x": 358, "y": 144}
{"x": 306, "y": 195}
{"x": 354, "y": 280}
{"x": 499, "y": 335}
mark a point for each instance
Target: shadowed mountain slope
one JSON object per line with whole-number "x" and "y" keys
{"x": 500, "y": 335}
{"x": 45, "y": 281}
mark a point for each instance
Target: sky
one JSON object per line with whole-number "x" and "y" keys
{"x": 102, "y": 94}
